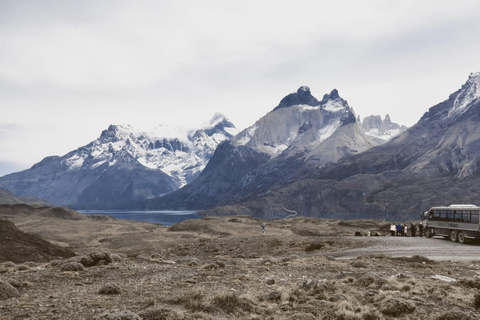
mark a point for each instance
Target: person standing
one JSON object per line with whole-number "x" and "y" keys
{"x": 413, "y": 229}
{"x": 263, "y": 228}
{"x": 420, "y": 228}
{"x": 392, "y": 229}
{"x": 405, "y": 234}
{"x": 399, "y": 229}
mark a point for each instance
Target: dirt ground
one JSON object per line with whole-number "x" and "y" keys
{"x": 224, "y": 268}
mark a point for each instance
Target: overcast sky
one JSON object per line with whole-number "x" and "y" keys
{"x": 68, "y": 69}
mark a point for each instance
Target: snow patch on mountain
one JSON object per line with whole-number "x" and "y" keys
{"x": 334, "y": 106}
{"x": 327, "y": 131}
{"x": 469, "y": 92}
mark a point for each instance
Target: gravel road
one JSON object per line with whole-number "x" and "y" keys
{"x": 436, "y": 248}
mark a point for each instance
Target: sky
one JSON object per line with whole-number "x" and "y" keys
{"x": 69, "y": 69}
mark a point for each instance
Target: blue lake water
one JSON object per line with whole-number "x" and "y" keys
{"x": 166, "y": 218}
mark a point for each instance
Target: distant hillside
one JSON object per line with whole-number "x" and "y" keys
{"x": 18, "y": 246}
{"x": 9, "y": 198}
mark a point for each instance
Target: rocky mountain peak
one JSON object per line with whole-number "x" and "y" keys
{"x": 469, "y": 93}
{"x": 387, "y": 119}
{"x": 332, "y": 96}
{"x": 460, "y": 105}
{"x": 384, "y": 129}
{"x": 220, "y": 124}
{"x": 303, "y": 96}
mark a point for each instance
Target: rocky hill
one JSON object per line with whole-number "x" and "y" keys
{"x": 17, "y": 246}
{"x": 123, "y": 165}
{"x": 300, "y": 131}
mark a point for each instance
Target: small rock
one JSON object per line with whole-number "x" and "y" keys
{"x": 443, "y": 278}
{"x": 307, "y": 284}
{"x": 270, "y": 281}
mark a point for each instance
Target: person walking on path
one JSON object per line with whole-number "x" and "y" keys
{"x": 392, "y": 229}
{"x": 263, "y": 228}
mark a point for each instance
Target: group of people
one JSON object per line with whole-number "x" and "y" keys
{"x": 402, "y": 229}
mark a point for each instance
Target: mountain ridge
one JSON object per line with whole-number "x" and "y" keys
{"x": 435, "y": 162}
{"x": 272, "y": 148}
{"x": 123, "y": 165}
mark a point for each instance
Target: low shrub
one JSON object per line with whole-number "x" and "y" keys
{"x": 72, "y": 266}
{"x": 9, "y": 264}
{"x": 96, "y": 258}
{"x": 156, "y": 313}
{"x": 110, "y": 288}
{"x": 455, "y": 315}
{"x": 231, "y": 303}
{"x": 7, "y": 291}
{"x": 476, "y": 300}
{"x": 396, "y": 307}
{"x": 122, "y": 315}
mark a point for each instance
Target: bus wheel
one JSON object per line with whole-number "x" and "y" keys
{"x": 453, "y": 236}
{"x": 461, "y": 237}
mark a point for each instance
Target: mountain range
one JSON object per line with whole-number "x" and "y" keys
{"x": 435, "y": 162}
{"x": 122, "y": 166}
{"x": 301, "y": 132}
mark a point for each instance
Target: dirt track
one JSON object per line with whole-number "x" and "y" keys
{"x": 436, "y": 248}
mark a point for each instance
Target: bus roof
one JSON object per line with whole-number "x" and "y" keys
{"x": 455, "y": 206}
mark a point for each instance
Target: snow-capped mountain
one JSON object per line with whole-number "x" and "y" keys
{"x": 123, "y": 165}
{"x": 384, "y": 129}
{"x": 300, "y": 130}
{"x": 299, "y": 121}
{"x": 181, "y": 153}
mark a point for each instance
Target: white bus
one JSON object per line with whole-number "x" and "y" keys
{"x": 458, "y": 222}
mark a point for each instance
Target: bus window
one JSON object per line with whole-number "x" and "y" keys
{"x": 443, "y": 215}
{"x": 458, "y": 216}
{"x": 466, "y": 216}
{"x": 474, "y": 217}
{"x": 450, "y": 215}
{"x": 430, "y": 215}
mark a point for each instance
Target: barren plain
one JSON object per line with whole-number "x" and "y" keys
{"x": 224, "y": 268}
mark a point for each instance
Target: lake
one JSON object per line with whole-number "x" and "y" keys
{"x": 166, "y": 218}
